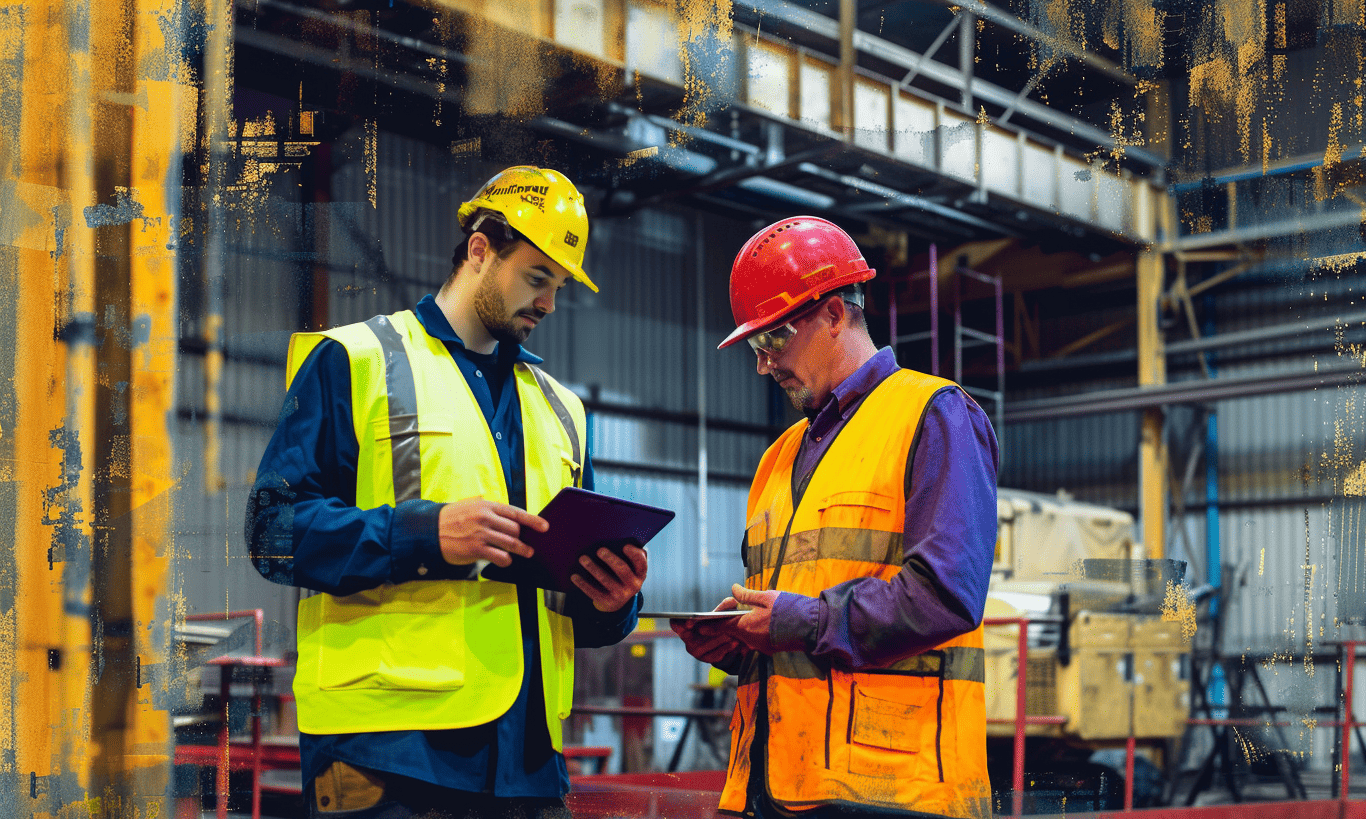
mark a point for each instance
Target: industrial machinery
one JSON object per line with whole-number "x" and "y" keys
{"x": 1108, "y": 648}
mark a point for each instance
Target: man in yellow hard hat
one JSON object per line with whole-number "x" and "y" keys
{"x": 409, "y": 450}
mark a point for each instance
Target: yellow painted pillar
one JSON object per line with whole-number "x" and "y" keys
{"x": 49, "y": 272}
{"x": 842, "y": 111}
{"x": 93, "y": 107}
{"x": 1152, "y": 370}
{"x": 162, "y": 130}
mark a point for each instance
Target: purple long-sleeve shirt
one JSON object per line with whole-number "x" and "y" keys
{"x": 949, "y": 539}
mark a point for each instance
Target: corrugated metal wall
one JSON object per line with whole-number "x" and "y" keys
{"x": 1296, "y": 115}
{"x": 264, "y": 245}
{"x": 1290, "y": 528}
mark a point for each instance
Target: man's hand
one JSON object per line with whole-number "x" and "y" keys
{"x": 752, "y": 628}
{"x": 617, "y": 580}
{"x": 705, "y": 640}
{"x": 477, "y": 529}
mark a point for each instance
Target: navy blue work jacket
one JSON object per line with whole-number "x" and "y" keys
{"x": 304, "y": 529}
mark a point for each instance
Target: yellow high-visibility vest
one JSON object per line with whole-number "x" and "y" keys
{"x": 433, "y": 654}
{"x": 907, "y": 737}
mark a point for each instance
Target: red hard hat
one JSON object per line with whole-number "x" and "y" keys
{"x": 786, "y": 266}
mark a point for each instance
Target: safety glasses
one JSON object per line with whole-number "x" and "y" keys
{"x": 773, "y": 340}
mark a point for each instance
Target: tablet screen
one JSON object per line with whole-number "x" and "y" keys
{"x": 580, "y": 522}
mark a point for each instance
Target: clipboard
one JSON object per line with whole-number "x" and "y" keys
{"x": 580, "y": 523}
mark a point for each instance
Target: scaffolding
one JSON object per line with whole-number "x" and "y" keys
{"x": 963, "y": 336}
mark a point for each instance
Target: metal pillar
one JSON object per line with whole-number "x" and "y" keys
{"x": 1152, "y": 370}
{"x": 845, "y": 73}
{"x": 967, "y": 336}
{"x": 93, "y": 125}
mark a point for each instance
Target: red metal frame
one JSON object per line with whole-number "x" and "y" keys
{"x": 1349, "y": 648}
{"x": 254, "y": 755}
{"x": 1347, "y": 723}
{"x": 1022, "y": 719}
{"x": 933, "y": 275}
{"x": 221, "y": 754}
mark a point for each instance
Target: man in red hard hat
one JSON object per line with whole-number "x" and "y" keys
{"x": 868, "y": 548}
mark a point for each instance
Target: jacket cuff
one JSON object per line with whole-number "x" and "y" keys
{"x": 792, "y": 625}
{"x": 624, "y": 618}
{"x": 414, "y": 545}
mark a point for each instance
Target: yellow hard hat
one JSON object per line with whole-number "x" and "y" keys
{"x": 542, "y": 205}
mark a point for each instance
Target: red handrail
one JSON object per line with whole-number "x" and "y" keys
{"x": 1022, "y": 719}
{"x": 1349, "y": 647}
{"x": 1347, "y": 723}
{"x": 225, "y": 680}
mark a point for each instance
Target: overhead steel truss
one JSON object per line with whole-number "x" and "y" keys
{"x": 750, "y": 160}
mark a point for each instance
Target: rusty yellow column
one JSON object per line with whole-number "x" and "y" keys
{"x": 1152, "y": 371}
{"x": 1152, "y": 459}
{"x": 88, "y": 169}
{"x": 162, "y": 129}
{"x": 47, "y": 266}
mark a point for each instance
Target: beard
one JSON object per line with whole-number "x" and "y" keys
{"x": 800, "y": 395}
{"x": 492, "y": 310}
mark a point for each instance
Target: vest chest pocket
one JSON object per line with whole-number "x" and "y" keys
{"x": 428, "y": 457}
{"x": 892, "y": 729}
{"x": 861, "y": 526}
{"x": 399, "y": 638}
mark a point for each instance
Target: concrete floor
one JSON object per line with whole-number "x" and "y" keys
{"x": 1317, "y": 785}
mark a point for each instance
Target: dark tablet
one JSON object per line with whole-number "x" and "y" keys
{"x": 580, "y": 522}
{"x": 694, "y": 615}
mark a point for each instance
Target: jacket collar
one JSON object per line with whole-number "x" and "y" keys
{"x": 846, "y": 397}
{"x": 435, "y": 323}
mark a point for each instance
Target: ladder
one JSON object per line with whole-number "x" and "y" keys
{"x": 963, "y": 336}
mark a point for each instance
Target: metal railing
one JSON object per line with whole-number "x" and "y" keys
{"x": 223, "y": 747}
{"x": 1022, "y": 719}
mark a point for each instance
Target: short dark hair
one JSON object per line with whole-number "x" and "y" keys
{"x": 502, "y": 238}
{"x": 852, "y": 295}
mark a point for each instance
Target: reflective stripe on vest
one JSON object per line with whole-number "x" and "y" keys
{"x": 966, "y": 663}
{"x": 432, "y": 654}
{"x": 909, "y": 737}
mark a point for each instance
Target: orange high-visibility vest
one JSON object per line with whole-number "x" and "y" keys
{"x": 908, "y": 737}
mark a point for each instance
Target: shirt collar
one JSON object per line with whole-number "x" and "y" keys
{"x": 435, "y": 323}
{"x": 845, "y": 397}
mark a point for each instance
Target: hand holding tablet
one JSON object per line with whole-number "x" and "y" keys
{"x": 581, "y": 522}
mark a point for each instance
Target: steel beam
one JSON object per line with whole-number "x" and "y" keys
{"x": 1269, "y": 230}
{"x": 1198, "y": 391}
{"x": 929, "y": 54}
{"x": 967, "y": 37}
{"x": 1152, "y": 372}
{"x": 734, "y": 176}
{"x": 903, "y": 199}
{"x": 843, "y": 121}
{"x": 1010, "y": 22}
{"x": 1272, "y": 333}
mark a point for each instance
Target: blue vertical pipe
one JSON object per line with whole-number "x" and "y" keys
{"x": 1213, "y": 558}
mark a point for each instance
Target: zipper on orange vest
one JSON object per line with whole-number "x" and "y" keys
{"x": 939, "y": 722}
{"x": 782, "y": 552}
{"x": 849, "y": 728}
{"x": 830, "y": 711}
